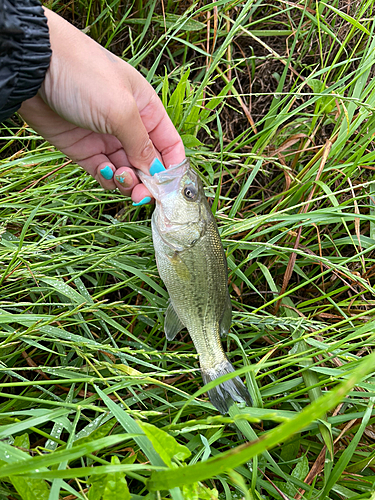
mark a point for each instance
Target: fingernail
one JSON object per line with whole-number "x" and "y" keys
{"x": 156, "y": 167}
{"x": 106, "y": 172}
{"x": 125, "y": 179}
{"x": 145, "y": 200}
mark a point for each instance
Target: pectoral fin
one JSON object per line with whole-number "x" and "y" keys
{"x": 226, "y": 320}
{"x": 180, "y": 267}
{"x": 172, "y": 323}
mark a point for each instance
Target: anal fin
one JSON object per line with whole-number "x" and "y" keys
{"x": 172, "y": 323}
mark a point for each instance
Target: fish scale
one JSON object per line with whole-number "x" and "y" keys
{"x": 192, "y": 264}
{"x": 199, "y": 301}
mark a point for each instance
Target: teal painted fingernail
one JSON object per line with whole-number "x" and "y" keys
{"x": 156, "y": 167}
{"x": 107, "y": 173}
{"x": 145, "y": 200}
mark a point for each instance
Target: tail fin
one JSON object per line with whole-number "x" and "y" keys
{"x": 223, "y": 395}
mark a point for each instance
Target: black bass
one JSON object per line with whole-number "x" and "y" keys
{"x": 192, "y": 264}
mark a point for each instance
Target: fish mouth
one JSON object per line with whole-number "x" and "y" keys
{"x": 165, "y": 182}
{"x": 169, "y": 228}
{"x": 167, "y": 225}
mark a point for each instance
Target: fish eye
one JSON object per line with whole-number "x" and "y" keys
{"x": 190, "y": 192}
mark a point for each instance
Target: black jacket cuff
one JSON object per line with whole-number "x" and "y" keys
{"x": 25, "y": 52}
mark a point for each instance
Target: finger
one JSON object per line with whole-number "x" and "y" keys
{"x": 125, "y": 179}
{"x": 101, "y": 169}
{"x": 118, "y": 157}
{"x": 104, "y": 174}
{"x": 141, "y": 195}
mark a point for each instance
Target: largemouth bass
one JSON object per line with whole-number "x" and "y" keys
{"x": 192, "y": 264}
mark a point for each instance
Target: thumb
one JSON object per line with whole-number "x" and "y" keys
{"x": 134, "y": 137}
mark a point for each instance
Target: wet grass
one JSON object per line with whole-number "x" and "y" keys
{"x": 275, "y": 104}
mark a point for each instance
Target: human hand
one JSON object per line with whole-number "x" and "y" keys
{"x": 100, "y": 112}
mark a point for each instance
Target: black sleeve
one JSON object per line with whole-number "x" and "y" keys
{"x": 25, "y": 52}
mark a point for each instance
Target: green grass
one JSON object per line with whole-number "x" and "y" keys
{"x": 95, "y": 404}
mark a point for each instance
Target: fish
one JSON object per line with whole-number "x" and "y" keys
{"x": 192, "y": 264}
